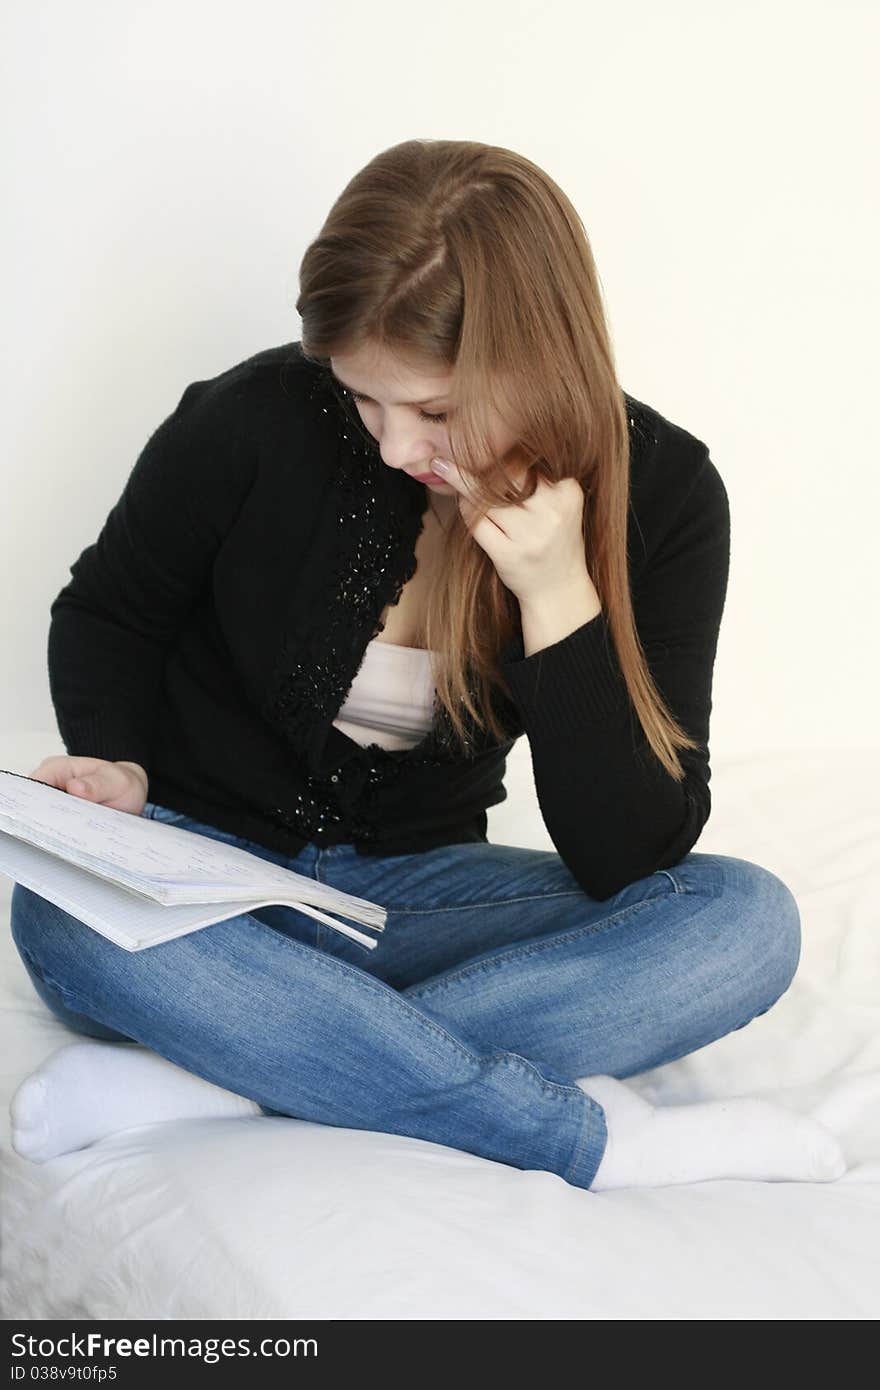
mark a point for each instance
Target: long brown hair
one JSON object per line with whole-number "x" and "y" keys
{"x": 456, "y": 255}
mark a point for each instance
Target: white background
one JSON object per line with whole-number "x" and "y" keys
{"x": 166, "y": 164}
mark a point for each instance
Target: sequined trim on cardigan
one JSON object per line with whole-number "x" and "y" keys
{"x": 317, "y": 665}
{"x": 379, "y": 517}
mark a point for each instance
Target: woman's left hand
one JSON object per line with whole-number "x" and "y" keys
{"x": 537, "y": 547}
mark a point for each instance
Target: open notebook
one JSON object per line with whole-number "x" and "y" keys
{"x": 140, "y": 882}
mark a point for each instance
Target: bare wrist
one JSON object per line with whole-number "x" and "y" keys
{"x": 548, "y": 622}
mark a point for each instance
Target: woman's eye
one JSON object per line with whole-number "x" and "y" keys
{"x": 438, "y": 419}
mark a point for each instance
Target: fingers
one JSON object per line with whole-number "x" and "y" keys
{"x": 52, "y": 776}
{"x": 95, "y": 784}
{"x": 119, "y": 785}
{"x": 80, "y": 776}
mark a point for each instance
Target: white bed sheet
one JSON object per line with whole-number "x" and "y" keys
{"x": 263, "y": 1218}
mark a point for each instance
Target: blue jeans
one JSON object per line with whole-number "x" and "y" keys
{"x": 496, "y": 983}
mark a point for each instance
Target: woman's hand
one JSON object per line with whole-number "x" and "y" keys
{"x": 121, "y": 786}
{"x": 537, "y": 547}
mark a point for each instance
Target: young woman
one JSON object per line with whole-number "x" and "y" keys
{"x": 299, "y": 633}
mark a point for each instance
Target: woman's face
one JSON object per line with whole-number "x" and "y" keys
{"x": 405, "y": 412}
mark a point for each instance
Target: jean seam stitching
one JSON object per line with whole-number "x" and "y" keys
{"x": 486, "y": 902}
{"x": 679, "y": 888}
{"x": 583, "y": 1137}
{"x": 523, "y": 951}
{"x": 66, "y": 994}
{"x": 518, "y": 1062}
{"x": 469, "y": 907}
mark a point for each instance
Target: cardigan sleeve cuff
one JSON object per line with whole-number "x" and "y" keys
{"x": 573, "y": 683}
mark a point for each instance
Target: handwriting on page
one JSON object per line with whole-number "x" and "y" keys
{"x": 89, "y": 834}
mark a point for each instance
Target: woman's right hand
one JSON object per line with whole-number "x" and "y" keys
{"x": 121, "y": 786}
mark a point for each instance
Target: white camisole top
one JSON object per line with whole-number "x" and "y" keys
{"x": 391, "y": 700}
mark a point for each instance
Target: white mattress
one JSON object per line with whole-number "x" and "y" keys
{"x": 269, "y": 1218}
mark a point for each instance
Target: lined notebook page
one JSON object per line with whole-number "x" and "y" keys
{"x": 77, "y": 849}
{"x": 118, "y": 914}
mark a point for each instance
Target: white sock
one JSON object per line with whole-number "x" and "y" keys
{"x": 754, "y": 1140}
{"x": 88, "y": 1089}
